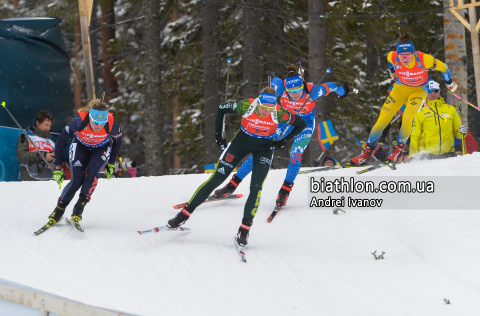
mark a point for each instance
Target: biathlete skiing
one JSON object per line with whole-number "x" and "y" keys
{"x": 294, "y": 91}
{"x": 91, "y": 130}
{"x": 260, "y": 118}
{"x": 409, "y": 69}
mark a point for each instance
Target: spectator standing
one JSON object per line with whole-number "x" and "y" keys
{"x": 32, "y": 166}
{"x": 432, "y": 137}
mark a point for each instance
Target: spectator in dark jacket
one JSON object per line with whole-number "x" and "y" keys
{"x": 32, "y": 166}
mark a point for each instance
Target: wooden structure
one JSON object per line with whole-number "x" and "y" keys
{"x": 85, "y": 10}
{"x": 473, "y": 26}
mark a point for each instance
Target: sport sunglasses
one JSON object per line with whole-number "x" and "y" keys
{"x": 265, "y": 107}
{"x": 433, "y": 90}
{"x": 295, "y": 90}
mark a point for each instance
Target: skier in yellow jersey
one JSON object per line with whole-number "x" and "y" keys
{"x": 409, "y": 69}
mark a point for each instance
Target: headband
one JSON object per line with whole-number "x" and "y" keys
{"x": 292, "y": 82}
{"x": 405, "y": 48}
{"x": 268, "y": 98}
{"x": 99, "y": 115}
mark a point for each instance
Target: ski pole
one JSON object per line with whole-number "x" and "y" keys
{"x": 459, "y": 97}
{"x": 270, "y": 75}
{"x": 399, "y": 116}
{"x": 26, "y": 135}
{"x": 308, "y": 97}
{"x": 403, "y": 23}
{"x": 229, "y": 60}
{"x": 318, "y": 159}
{"x": 464, "y": 145}
{"x": 300, "y": 60}
{"x": 104, "y": 91}
{"x": 425, "y": 103}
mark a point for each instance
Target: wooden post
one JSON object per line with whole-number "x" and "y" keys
{"x": 475, "y": 49}
{"x": 85, "y": 10}
{"x": 455, "y": 58}
{"x": 473, "y": 27}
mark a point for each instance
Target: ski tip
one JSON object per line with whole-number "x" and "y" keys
{"x": 240, "y": 250}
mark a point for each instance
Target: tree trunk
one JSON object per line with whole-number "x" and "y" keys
{"x": 177, "y": 109}
{"x": 251, "y": 50}
{"x": 153, "y": 118}
{"x": 211, "y": 92}
{"x": 108, "y": 57}
{"x": 372, "y": 58}
{"x": 94, "y": 47}
{"x": 317, "y": 65}
{"x": 277, "y": 39}
{"x": 472, "y": 15}
{"x": 456, "y": 57}
{"x": 77, "y": 68}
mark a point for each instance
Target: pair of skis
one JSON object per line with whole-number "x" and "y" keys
{"x": 48, "y": 225}
{"x": 240, "y": 249}
{"x": 165, "y": 228}
{"x": 347, "y": 165}
{"x": 391, "y": 165}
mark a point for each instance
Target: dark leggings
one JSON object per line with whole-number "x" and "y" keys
{"x": 86, "y": 163}
{"x": 241, "y": 145}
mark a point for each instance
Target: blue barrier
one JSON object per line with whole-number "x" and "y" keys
{"x": 8, "y": 154}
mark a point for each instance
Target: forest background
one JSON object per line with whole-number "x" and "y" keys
{"x": 165, "y": 63}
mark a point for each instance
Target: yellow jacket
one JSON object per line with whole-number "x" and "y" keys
{"x": 431, "y": 134}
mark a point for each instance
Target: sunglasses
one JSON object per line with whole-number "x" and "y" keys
{"x": 97, "y": 122}
{"x": 297, "y": 90}
{"x": 265, "y": 107}
{"x": 433, "y": 90}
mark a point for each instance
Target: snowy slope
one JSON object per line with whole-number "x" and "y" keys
{"x": 306, "y": 262}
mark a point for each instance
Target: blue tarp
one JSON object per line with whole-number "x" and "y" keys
{"x": 8, "y": 153}
{"x": 34, "y": 71}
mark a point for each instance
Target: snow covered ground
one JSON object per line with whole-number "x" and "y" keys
{"x": 306, "y": 262}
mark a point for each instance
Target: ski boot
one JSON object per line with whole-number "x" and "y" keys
{"x": 362, "y": 159}
{"x": 229, "y": 188}
{"x": 396, "y": 153}
{"x": 282, "y": 196}
{"x": 180, "y": 218}
{"x": 57, "y": 213}
{"x": 78, "y": 208}
{"x": 242, "y": 235}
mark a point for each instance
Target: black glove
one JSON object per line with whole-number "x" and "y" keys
{"x": 221, "y": 142}
{"x": 347, "y": 91}
{"x": 279, "y": 144}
